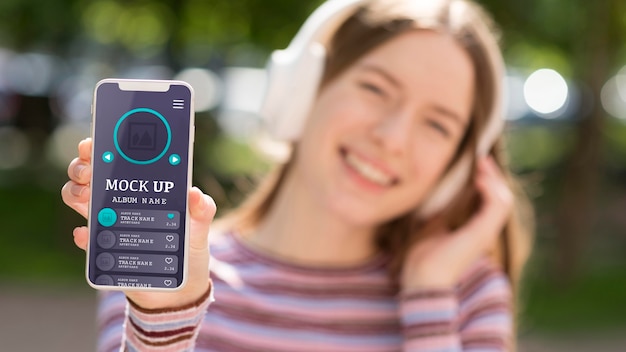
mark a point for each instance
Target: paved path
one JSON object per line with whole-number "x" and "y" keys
{"x": 55, "y": 320}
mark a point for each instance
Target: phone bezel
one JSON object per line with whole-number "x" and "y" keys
{"x": 145, "y": 85}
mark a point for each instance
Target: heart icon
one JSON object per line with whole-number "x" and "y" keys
{"x": 169, "y": 260}
{"x": 170, "y": 215}
{"x": 169, "y": 238}
{"x": 167, "y": 282}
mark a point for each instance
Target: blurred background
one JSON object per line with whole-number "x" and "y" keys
{"x": 566, "y": 111}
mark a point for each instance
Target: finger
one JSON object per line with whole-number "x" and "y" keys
{"x": 76, "y": 196}
{"x": 81, "y": 235}
{"x": 84, "y": 149}
{"x": 79, "y": 171}
{"x": 492, "y": 185}
{"x": 489, "y": 168}
{"x": 202, "y": 209}
{"x": 495, "y": 208}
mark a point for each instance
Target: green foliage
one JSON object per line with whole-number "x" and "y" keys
{"x": 189, "y": 30}
{"x": 591, "y": 303}
{"x": 231, "y": 157}
{"x": 533, "y": 56}
{"x": 36, "y": 242}
{"x": 142, "y": 28}
{"x": 47, "y": 24}
{"x": 538, "y": 147}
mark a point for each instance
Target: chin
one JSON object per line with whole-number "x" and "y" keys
{"x": 356, "y": 213}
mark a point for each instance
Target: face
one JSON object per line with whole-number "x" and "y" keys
{"x": 382, "y": 133}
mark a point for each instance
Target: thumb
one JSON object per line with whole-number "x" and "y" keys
{"x": 202, "y": 209}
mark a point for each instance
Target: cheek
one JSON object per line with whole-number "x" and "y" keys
{"x": 323, "y": 133}
{"x": 429, "y": 162}
{"x": 339, "y": 110}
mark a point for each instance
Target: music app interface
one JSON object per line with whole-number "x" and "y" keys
{"x": 139, "y": 190}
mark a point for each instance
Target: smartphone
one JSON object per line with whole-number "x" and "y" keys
{"x": 142, "y": 134}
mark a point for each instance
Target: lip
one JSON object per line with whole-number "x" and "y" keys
{"x": 362, "y": 181}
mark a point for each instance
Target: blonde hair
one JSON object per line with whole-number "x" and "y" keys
{"x": 375, "y": 23}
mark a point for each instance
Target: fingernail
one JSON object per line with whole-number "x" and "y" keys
{"x": 77, "y": 190}
{"x": 78, "y": 170}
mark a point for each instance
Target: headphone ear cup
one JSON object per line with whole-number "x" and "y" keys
{"x": 292, "y": 85}
{"x": 448, "y": 188}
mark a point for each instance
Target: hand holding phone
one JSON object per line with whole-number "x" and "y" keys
{"x": 143, "y": 228}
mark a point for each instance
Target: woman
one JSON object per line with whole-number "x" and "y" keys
{"x": 338, "y": 250}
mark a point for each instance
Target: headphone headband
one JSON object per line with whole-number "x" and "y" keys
{"x": 295, "y": 72}
{"x": 322, "y": 24}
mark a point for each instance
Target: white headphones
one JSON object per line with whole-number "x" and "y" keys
{"x": 294, "y": 75}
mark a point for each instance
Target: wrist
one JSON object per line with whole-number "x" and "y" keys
{"x": 418, "y": 281}
{"x": 159, "y": 302}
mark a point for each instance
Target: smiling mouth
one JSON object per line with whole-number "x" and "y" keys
{"x": 367, "y": 170}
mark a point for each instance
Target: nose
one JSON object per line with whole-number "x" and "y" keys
{"x": 393, "y": 131}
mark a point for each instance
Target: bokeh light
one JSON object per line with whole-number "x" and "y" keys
{"x": 31, "y": 74}
{"x": 546, "y": 92}
{"x": 207, "y": 87}
{"x": 613, "y": 95}
{"x": 243, "y": 94}
{"x": 62, "y": 143}
{"x": 71, "y": 100}
{"x": 142, "y": 28}
{"x": 515, "y": 104}
{"x": 147, "y": 72}
{"x": 14, "y": 148}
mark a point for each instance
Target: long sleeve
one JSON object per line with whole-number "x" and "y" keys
{"x": 474, "y": 316}
{"x": 123, "y": 326}
{"x": 110, "y": 320}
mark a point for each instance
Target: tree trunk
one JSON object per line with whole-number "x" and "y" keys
{"x": 582, "y": 173}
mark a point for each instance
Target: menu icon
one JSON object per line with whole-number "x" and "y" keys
{"x": 178, "y": 104}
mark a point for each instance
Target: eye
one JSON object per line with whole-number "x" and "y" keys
{"x": 438, "y": 127}
{"x": 373, "y": 88}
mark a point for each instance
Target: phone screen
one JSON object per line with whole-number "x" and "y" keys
{"x": 141, "y": 173}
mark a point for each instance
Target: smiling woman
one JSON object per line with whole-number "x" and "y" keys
{"x": 393, "y": 225}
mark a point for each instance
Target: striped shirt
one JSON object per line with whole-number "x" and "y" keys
{"x": 265, "y": 304}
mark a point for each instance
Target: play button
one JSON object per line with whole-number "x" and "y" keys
{"x": 107, "y": 157}
{"x": 174, "y": 159}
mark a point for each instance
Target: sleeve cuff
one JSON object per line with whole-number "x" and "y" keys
{"x": 429, "y": 318}
{"x": 168, "y": 329}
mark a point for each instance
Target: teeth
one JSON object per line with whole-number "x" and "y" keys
{"x": 368, "y": 171}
